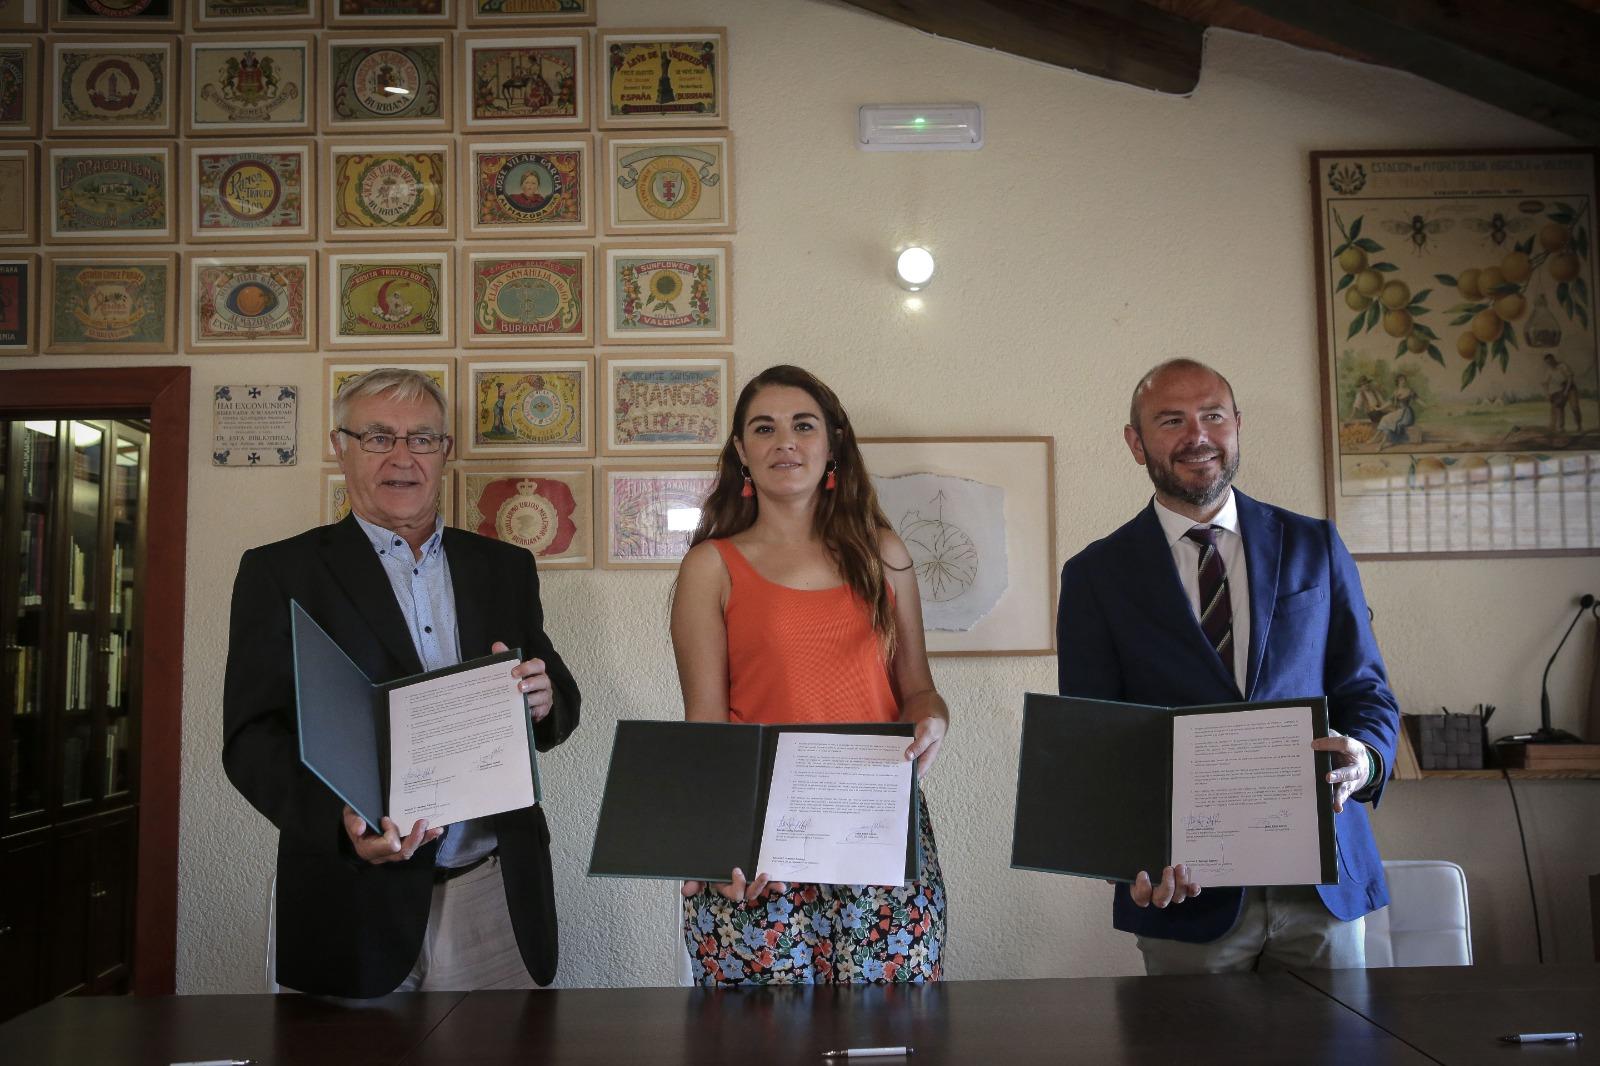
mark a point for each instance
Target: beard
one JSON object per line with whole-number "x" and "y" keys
{"x": 1167, "y": 482}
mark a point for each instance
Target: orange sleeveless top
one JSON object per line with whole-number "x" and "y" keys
{"x": 800, "y": 655}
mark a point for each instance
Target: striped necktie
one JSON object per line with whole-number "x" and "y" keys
{"x": 1216, "y": 607}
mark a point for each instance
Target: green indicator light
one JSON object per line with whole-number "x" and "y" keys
{"x": 919, "y": 121}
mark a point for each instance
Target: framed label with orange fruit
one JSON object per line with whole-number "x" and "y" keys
{"x": 1461, "y": 379}
{"x": 252, "y": 303}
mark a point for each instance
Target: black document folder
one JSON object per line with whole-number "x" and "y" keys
{"x": 688, "y": 800}
{"x": 344, "y": 718}
{"x": 1094, "y": 786}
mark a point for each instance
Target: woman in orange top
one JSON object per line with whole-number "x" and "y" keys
{"x": 798, "y": 603}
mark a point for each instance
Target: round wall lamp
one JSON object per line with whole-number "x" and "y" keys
{"x": 913, "y": 268}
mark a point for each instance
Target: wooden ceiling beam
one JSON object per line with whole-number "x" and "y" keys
{"x": 1534, "y": 58}
{"x": 1123, "y": 40}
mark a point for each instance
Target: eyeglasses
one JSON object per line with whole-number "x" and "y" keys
{"x": 380, "y": 442}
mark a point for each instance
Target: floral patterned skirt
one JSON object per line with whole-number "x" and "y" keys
{"x": 824, "y": 934}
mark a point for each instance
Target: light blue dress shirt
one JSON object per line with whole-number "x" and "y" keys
{"x": 426, "y": 598}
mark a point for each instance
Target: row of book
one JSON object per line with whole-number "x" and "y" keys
{"x": 31, "y": 550}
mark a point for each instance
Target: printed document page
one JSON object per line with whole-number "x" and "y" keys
{"x": 838, "y": 810}
{"x": 458, "y": 748}
{"x": 1244, "y": 797}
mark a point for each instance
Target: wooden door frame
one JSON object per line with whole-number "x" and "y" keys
{"x": 161, "y": 394}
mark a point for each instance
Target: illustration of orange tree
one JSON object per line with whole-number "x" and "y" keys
{"x": 1494, "y": 296}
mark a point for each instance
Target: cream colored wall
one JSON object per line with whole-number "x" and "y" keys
{"x": 1102, "y": 229}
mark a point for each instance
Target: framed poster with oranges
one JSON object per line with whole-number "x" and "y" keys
{"x": 1460, "y": 372}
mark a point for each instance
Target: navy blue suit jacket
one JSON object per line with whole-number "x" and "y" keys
{"x": 1125, "y": 631}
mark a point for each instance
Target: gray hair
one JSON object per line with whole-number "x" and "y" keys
{"x": 1161, "y": 368}
{"x": 396, "y": 382}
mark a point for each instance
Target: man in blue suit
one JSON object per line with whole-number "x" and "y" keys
{"x": 1208, "y": 596}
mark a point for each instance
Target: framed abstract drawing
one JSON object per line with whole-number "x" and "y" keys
{"x": 664, "y": 294}
{"x": 244, "y": 191}
{"x": 664, "y": 403}
{"x": 336, "y": 497}
{"x": 679, "y": 184}
{"x": 661, "y": 78}
{"x": 22, "y": 14}
{"x": 112, "y": 88}
{"x": 390, "y": 14}
{"x": 532, "y": 81}
{"x": 522, "y": 13}
{"x": 384, "y": 190}
{"x": 337, "y": 371}
{"x": 20, "y": 80}
{"x": 978, "y": 517}
{"x": 243, "y": 84}
{"x": 252, "y": 303}
{"x": 527, "y": 408}
{"x": 527, "y": 296}
{"x": 19, "y": 212}
{"x": 1461, "y": 374}
{"x": 131, "y": 16}
{"x": 548, "y": 510}
{"x": 243, "y": 14}
{"x": 111, "y": 191}
{"x": 110, "y": 304}
{"x": 531, "y": 187}
{"x": 378, "y": 298}
{"x": 374, "y": 82}
{"x": 19, "y": 304}
{"x": 650, "y": 512}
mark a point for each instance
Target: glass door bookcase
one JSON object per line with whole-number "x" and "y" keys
{"x": 70, "y": 595}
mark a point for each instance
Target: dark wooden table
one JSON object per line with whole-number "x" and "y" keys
{"x": 157, "y": 1030}
{"x": 1245, "y": 1019}
{"x": 1456, "y": 1014}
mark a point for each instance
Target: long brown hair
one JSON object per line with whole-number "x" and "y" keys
{"x": 847, "y": 518}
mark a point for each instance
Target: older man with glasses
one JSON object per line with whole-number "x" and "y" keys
{"x": 365, "y": 910}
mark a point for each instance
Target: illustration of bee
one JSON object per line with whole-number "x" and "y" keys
{"x": 1498, "y": 227}
{"x": 1418, "y": 229}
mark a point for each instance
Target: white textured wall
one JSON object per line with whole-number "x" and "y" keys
{"x": 1102, "y": 229}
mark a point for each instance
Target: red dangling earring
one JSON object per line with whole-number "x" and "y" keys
{"x": 831, "y": 482}
{"x": 749, "y": 489}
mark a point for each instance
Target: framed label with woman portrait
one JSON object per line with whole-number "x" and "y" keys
{"x": 528, "y": 187}
{"x": 978, "y": 517}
